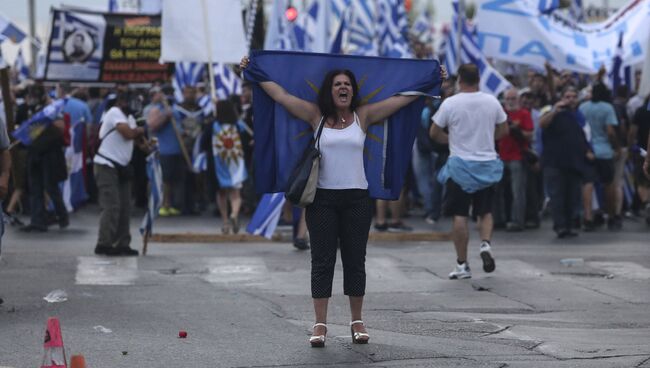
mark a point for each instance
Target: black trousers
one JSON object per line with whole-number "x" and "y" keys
{"x": 564, "y": 189}
{"x": 339, "y": 219}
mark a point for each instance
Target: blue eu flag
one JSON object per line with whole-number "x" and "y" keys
{"x": 280, "y": 138}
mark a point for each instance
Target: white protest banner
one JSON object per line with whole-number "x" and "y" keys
{"x": 513, "y": 31}
{"x": 185, "y": 38}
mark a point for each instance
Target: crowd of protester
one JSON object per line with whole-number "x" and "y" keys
{"x": 573, "y": 151}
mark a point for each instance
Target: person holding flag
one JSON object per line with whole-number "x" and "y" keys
{"x": 226, "y": 167}
{"x": 43, "y": 134}
{"x": 341, "y": 212}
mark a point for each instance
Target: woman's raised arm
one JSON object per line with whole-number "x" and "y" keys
{"x": 376, "y": 112}
{"x": 301, "y": 109}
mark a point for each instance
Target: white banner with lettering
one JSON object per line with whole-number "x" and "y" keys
{"x": 512, "y": 30}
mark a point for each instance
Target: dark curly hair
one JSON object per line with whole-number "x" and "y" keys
{"x": 325, "y": 101}
{"x": 226, "y": 112}
{"x": 600, "y": 92}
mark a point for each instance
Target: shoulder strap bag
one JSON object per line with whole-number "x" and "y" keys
{"x": 301, "y": 187}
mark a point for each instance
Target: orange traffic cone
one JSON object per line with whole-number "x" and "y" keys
{"x": 54, "y": 355}
{"x": 77, "y": 361}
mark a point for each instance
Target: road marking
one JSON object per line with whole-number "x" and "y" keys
{"x": 105, "y": 271}
{"x": 628, "y": 270}
{"x": 235, "y": 269}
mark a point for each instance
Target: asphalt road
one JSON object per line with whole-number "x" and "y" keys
{"x": 248, "y": 304}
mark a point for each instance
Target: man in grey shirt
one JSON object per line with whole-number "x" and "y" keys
{"x": 5, "y": 169}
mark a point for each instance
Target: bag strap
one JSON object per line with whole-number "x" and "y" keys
{"x": 105, "y": 135}
{"x": 320, "y": 130}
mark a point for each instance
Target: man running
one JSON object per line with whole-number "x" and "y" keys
{"x": 474, "y": 120}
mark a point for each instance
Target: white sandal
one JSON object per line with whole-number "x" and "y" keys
{"x": 318, "y": 341}
{"x": 358, "y": 337}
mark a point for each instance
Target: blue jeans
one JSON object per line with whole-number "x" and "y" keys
{"x": 424, "y": 168}
{"x": 516, "y": 173}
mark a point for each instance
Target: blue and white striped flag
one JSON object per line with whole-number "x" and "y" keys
{"x": 226, "y": 81}
{"x": 186, "y": 74}
{"x": 620, "y": 75}
{"x": 491, "y": 80}
{"x": 279, "y": 34}
{"x": 9, "y": 31}
{"x": 361, "y": 31}
{"x": 422, "y": 27}
{"x": 576, "y": 11}
{"x": 312, "y": 28}
{"x": 547, "y": 6}
{"x": 21, "y": 67}
{"x": 392, "y": 29}
{"x": 73, "y": 189}
{"x": 200, "y": 162}
{"x": 266, "y": 216}
{"x": 205, "y": 105}
{"x": 154, "y": 173}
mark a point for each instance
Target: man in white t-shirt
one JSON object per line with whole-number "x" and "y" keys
{"x": 474, "y": 120}
{"x": 117, "y": 134}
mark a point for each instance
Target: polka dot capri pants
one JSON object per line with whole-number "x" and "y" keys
{"x": 339, "y": 219}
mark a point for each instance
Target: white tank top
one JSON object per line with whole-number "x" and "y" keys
{"x": 341, "y": 163}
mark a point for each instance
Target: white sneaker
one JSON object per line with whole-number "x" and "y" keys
{"x": 486, "y": 256}
{"x": 461, "y": 271}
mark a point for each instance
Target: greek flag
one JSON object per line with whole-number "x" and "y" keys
{"x": 392, "y": 29}
{"x": 186, "y": 74}
{"x": 21, "y": 67}
{"x": 361, "y": 32}
{"x": 73, "y": 188}
{"x": 279, "y": 34}
{"x": 266, "y": 216}
{"x": 422, "y": 28}
{"x": 32, "y": 128}
{"x": 205, "y": 105}
{"x": 576, "y": 11}
{"x": 337, "y": 43}
{"x": 491, "y": 80}
{"x": 9, "y": 31}
{"x": 620, "y": 75}
{"x": 548, "y": 6}
{"x": 226, "y": 81}
{"x": 154, "y": 173}
{"x": 312, "y": 28}
{"x": 200, "y": 162}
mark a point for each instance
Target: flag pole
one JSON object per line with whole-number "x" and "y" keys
{"x": 208, "y": 41}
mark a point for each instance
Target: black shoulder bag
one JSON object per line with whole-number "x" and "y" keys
{"x": 301, "y": 187}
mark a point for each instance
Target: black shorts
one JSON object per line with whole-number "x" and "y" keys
{"x": 171, "y": 166}
{"x": 457, "y": 201}
{"x": 600, "y": 170}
